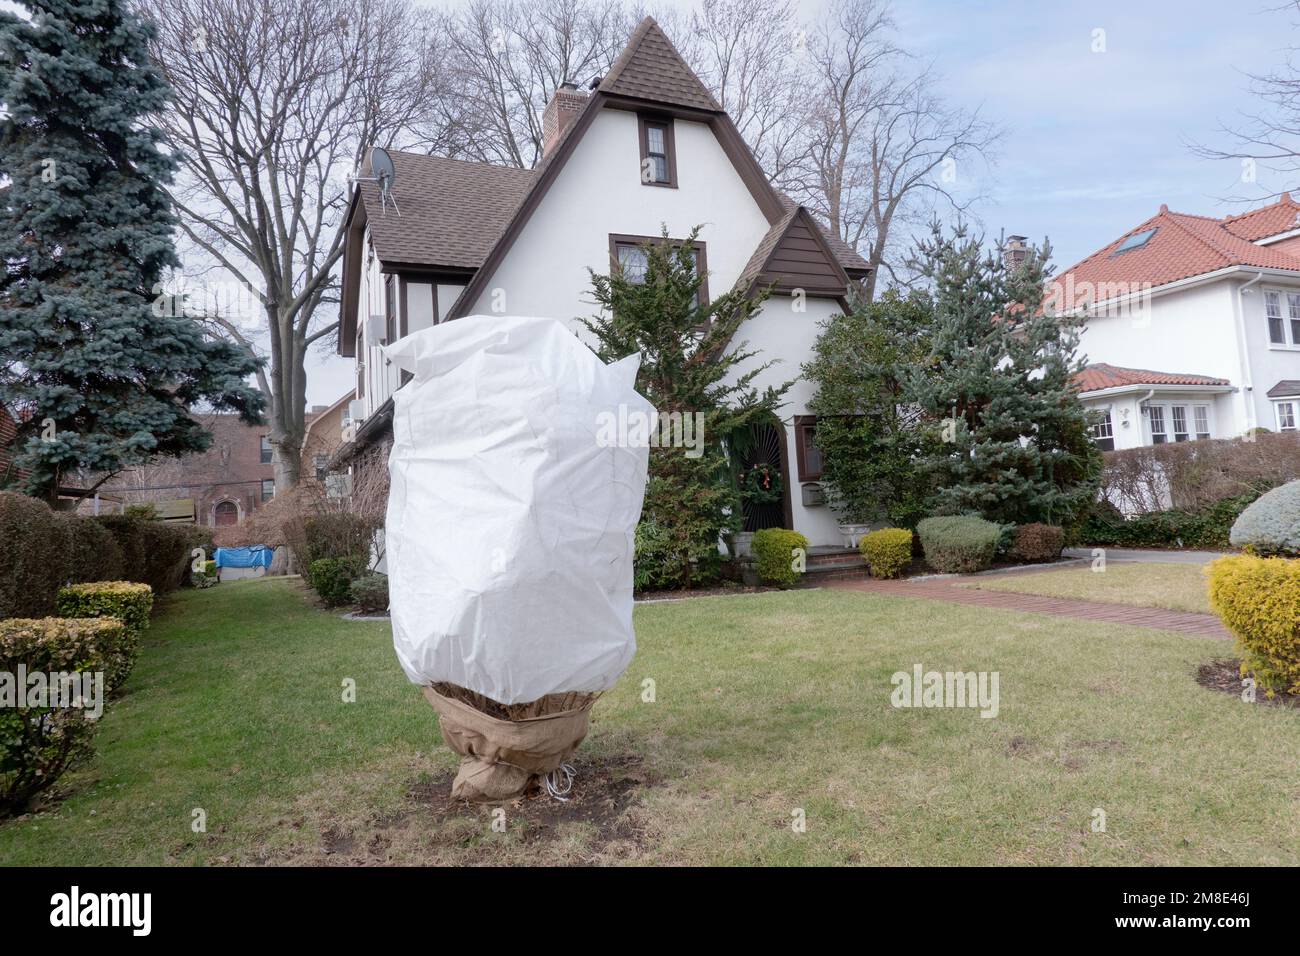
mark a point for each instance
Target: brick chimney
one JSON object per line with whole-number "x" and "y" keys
{"x": 1015, "y": 252}
{"x": 566, "y": 104}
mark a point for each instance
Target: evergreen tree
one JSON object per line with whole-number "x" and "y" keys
{"x": 869, "y": 433}
{"x": 689, "y": 366}
{"x": 98, "y": 373}
{"x": 1013, "y": 443}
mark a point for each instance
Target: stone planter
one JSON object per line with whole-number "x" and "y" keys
{"x": 852, "y": 533}
{"x": 742, "y": 543}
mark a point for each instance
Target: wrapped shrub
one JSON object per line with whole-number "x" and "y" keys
{"x": 331, "y": 578}
{"x": 38, "y": 743}
{"x": 888, "y": 551}
{"x": 1259, "y": 601}
{"x": 129, "y": 602}
{"x": 779, "y": 555}
{"x": 1037, "y": 542}
{"x": 1271, "y": 525}
{"x": 370, "y": 592}
{"x": 959, "y": 544}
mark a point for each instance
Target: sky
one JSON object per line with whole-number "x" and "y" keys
{"x": 1098, "y": 126}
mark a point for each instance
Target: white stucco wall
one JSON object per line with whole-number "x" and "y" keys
{"x": 599, "y": 193}
{"x": 1269, "y": 363}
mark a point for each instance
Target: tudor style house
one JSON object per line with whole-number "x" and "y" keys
{"x": 1193, "y": 326}
{"x": 645, "y": 148}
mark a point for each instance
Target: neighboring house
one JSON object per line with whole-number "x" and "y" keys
{"x": 222, "y": 485}
{"x": 324, "y": 438}
{"x": 8, "y": 432}
{"x": 646, "y": 147}
{"x": 1193, "y": 326}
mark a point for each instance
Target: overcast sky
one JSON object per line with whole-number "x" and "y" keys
{"x": 1095, "y": 141}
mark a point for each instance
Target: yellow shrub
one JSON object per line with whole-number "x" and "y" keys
{"x": 1259, "y": 601}
{"x": 888, "y": 551}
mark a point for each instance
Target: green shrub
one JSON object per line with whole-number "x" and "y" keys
{"x": 129, "y": 602}
{"x": 128, "y": 532}
{"x": 92, "y": 551}
{"x": 1259, "y": 601}
{"x": 37, "y": 744}
{"x": 1271, "y": 523}
{"x": 33, "y": 556}
{"x": 370, "y": 591}
{"x": 1208, "y": 527}
{"x": 332, "y": 578}
{"x": 779, "y": 555}
{"x": 888, "y": 552}
{"x": 342, "y": 535}
{"x": 1037, "y": 542}
{"x": 959, "y": 544}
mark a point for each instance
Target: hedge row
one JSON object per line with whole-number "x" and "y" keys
{"x": 128, "y": 602}
{"x": 45, "y": 550}
{"x": 1207, "y": 527}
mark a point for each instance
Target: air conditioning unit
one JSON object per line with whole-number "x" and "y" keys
{"x": 356, "y": 411}
{"x": 376, "y": 330}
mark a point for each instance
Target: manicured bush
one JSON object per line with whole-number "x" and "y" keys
{"x": 1037, "y": 542}
{"x": 959, "y": 544}
{"x": 129, "y": 602}
{"x": 888, "y": 551}
{"x": 1259, "y": 601}
{"x": 37, "y": 744}
{"x": 331, "y": 578}
{"x": 342, "y": 535}
{"x": 33, "y": 556}
{"x": 1271, "y": 524}
{"x": 128, "y": 532}
{"x": 779, "y": 555}
{"x": 92, "y": 552}
{"x": 370, "y": 591}
{"x": 1208, "y": 527}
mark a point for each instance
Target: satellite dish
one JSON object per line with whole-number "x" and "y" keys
{"x": 383, "y": 173}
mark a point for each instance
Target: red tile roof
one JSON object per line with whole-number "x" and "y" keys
{"x": 1182, "y": 246}
{"x": 1100, "y": 375}
{"x": 1281, "y": 216}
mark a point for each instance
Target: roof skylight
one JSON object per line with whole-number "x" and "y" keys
{"x": 1136, "y": 241}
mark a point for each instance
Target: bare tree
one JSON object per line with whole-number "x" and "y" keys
{"x": 881, "y": 149}
{"x": 1271, "y": 136}
{"x": 751, "y": 54}
{"x": 274, "y": 103}
{"x": 510, "y": 57}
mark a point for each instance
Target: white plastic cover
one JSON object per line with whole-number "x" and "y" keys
{"x": 511, "y": 514}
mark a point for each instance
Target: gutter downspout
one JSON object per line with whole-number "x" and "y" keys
{"x": 1243, "y": 346}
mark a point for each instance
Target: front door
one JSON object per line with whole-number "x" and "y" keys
{"x": 762, "y": 477}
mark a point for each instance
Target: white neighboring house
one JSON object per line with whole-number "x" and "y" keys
{"x": 644, "y": 148}
{"x": 1193, "y": 327}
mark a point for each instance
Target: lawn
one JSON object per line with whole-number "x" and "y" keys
{"x": 1177, "y": 587}
{"x": 764, "y": 707}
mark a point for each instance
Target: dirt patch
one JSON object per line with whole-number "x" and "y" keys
{"x": 1224, "y": 674}
{"x": 601, "y": 822}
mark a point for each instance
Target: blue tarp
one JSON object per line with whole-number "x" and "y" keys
{"x": 257, "y": 556}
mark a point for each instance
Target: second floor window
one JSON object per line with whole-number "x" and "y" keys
{"x": 629, "y": 253}
{"x": 1283, "y": 312}
{"x": 268, "y": 489}
{"x": 266, "y": 450}
{"x": 658, "y": 152}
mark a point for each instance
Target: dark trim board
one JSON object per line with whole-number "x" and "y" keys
{"x": 643, "y": 123}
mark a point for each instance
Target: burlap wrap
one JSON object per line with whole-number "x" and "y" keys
{"x": 499, "y": 758}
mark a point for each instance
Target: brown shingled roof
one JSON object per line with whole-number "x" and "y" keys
{"x": 451, "y": 211}
{"x": 1100, "y": 375}
{"x": 1285, "y": 388}
{"x": 650, "y": 68}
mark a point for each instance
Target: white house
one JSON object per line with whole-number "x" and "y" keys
{"x": 645, "y": 147}
{"x": 1193, "y": 326}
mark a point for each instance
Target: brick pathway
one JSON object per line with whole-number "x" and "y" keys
{"x": 947, "y": 589}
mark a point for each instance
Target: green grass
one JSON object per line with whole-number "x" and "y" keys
{"x": 1176, "y": 587}
{"x": 764, "y": 704}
